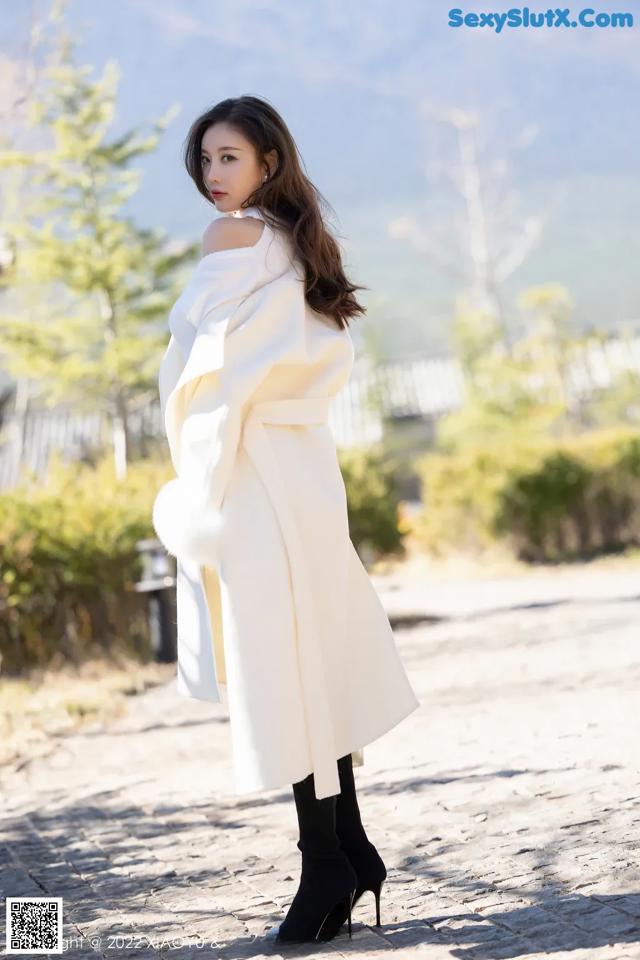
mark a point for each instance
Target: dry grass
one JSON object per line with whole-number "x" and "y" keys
{"x": 37, "y": 709}
{"x": 498, "y": 562}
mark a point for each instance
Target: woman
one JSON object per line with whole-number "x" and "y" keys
{"x": 276, "y": 614}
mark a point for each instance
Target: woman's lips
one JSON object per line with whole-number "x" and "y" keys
{"x": 218, "y": 193}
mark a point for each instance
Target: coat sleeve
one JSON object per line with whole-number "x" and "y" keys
{"x": 233, "y": 350}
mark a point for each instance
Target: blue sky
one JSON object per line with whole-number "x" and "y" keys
{"x": 353, "y": 81}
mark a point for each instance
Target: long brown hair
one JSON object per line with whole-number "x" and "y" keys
{"x": 287, "y": 199}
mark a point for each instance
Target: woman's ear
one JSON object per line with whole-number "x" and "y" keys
{"x": 271, "y": 159}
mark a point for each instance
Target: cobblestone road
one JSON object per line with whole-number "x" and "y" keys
{"x": 507, "y": 808}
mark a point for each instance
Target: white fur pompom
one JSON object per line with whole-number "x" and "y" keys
{"x": 188, "y": 527}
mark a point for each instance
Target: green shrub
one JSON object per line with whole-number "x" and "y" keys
{"x": 459, "y": 491}
{"x": 536, "y": 507}
{"x": 68, "y": 557}
{"x": 370, "y": 482}
{"x": 547, "y": 499}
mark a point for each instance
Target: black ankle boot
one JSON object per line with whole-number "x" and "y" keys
{"x": 362, "y": 854}
{"x": 328, "y": 880}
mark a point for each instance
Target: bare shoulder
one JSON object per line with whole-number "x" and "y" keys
{"x": 228, "y": 233}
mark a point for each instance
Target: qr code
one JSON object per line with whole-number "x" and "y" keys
{"x": 34, "y": 925}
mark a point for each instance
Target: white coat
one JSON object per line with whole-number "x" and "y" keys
{"x": 276, "y": 615}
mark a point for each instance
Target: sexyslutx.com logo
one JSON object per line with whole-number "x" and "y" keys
{"x": 524, "y": 17}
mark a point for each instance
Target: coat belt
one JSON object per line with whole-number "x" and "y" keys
{"x": 292, "y": 410}
{"x": 319, "y": 720}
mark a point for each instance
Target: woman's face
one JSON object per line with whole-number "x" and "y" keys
{"x": 229, "y": 165}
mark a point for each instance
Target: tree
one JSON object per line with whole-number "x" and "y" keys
{"x": 481, "y": 240}
{"x": 520, "y": 393}
{"x": 88, "y": 288}
{"x": 551, "y": 346}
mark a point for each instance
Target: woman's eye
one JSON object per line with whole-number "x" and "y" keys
{"x": 206, "y": 159}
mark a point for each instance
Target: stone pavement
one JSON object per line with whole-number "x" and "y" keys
{"x": 507, "y": 808}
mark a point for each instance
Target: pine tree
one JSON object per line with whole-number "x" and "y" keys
{"x": 86, "y": 291}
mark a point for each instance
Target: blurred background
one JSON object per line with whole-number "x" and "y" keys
{"x": 483, "y": 185}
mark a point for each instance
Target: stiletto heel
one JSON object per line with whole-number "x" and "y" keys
{"x": 327, "y": 931}
{"x": 376, "y": 894}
